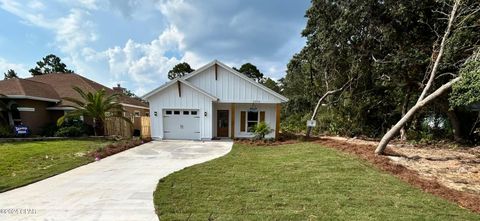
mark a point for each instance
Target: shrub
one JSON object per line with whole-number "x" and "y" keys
{"x": 49, "y": 130}
{"x": 72, "y": 128}
{"x": 261, "y": 129}
{"x": 70, "y": 131}
{"x": 6, "y": 131}
{"x": 295, "y": 122}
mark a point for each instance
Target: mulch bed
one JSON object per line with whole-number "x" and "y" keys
{"x": 366, "y": 152}
{"x": 117, "y": 147}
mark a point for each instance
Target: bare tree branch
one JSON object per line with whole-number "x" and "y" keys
{"x": 328, "y": 93}
{"x": 440, "y": 52}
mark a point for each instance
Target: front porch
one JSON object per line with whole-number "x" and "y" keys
{"x": 236, "y": 120}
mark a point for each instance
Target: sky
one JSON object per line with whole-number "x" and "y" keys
{"x": 136, "y": 42}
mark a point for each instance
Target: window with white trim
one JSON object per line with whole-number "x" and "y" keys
{"x": 136, "y": 113}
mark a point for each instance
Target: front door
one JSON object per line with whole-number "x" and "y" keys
{"x": 222, "y": 123}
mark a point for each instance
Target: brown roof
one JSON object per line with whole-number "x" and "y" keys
{"x": 63, "y": 85}
{"x": 17, "y": 87}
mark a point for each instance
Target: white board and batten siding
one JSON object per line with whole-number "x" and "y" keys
{"x": 230, "y": 88}
{"x": 213, "y": 87}
{"x": 190, "y": 99}
{"x": 270, "y": 119}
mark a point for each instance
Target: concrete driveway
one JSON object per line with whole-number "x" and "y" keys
{"x": 119, "y": 187}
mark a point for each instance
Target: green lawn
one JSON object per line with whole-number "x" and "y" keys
{"x": 26, "y": 162}
{"x": 295, "y": 182}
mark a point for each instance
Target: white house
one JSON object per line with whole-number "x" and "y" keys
{"x": 214, "y": 101}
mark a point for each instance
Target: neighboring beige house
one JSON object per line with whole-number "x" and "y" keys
{"x": 38, "y": 100}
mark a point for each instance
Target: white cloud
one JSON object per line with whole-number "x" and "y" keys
{"x": 145, "y": 64}
{"x": 234, "y": 32}
{"x": 89, "y": 4}
{"x": 35, "y": 4}
{"x": 72, "y": 31}
{"x": 21, "y": 70}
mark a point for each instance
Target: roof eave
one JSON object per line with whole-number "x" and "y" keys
{"x": 31, "y": 98}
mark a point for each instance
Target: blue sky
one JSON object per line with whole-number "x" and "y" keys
{"x": 136, "y": 42}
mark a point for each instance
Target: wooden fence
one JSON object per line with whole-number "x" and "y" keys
{"x": 118, "y": 127}
{"x": 115, "y": 126}
{"x": 145, "y": 125}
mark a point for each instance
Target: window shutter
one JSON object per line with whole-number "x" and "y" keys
{"x": 242, "y": 121}
{"x": 262, "y": 116}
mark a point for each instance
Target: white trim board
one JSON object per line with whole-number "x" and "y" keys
{"x": 134, "y": 106}
{"x": 60, "y": 108}
{"x": 26, "y": 109}
{"x": 186, "y": 77}
{"x": 163, "y": 87}
{"x": 279, "y": 96}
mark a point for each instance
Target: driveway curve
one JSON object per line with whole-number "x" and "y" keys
{"x": 119, "y": 187}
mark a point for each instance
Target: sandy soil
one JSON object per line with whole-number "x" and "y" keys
{"x": 448, "y": 173}
{"x": 457, "y": 168}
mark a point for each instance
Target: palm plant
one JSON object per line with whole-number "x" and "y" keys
{"x": 95, "y": 105}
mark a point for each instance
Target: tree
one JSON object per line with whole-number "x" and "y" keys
{"x": 460, "y": 11}
{"x": 250, "y": 71}
{"x": 386, "y": 46}
{"x": 10, "y": 74}
{"x": 95, "y": 105}
{"x": 328, "y": 93}
{"x": 180, "y": 70}
{"x": 50, "y": 64}
{"x": 272, "y": 84}
{"x": 129, "y": 93}
{"x": 466, "y": 92}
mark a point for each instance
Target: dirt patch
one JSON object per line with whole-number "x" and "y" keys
{"x": 418, "y": 173}
{"x": 116, "y": 147}
{"x": 453, "y": 168}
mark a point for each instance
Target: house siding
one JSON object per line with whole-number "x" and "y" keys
{"x": 270, "y": 119}
{"x": 230, "y": 88}
{"x": 190, "y": 99}
{"x": 219, "y": 81}
{"x": 35, "y": 120}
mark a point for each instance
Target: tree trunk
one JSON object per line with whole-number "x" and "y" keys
{"x": 395, "y": 129}
{"x": 403, "y": 132}
{"x": 328, "y": 93}
{"x": 94, "y": 127}
{"x": 440, "y": 52}
{"x": 457, "y": 133}
{"x": 452, "y": 117}
{"x": 422, "y": 100}
{"x": 100, "y": 127}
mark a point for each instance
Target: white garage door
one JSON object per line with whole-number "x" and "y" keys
{"x": 181, "y": 124}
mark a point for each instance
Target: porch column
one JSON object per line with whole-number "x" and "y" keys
{"x": 232, "y": 129}
{"x": 277, "y": 121}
